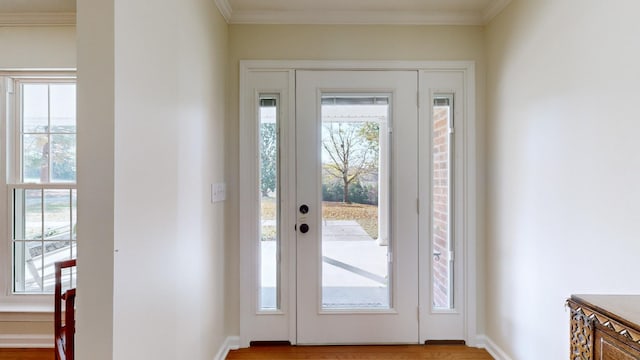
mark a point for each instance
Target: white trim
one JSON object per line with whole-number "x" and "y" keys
{"x": 494, "y": 350}
{"x": 230, "y": 343}
{"x": 493, "y": 9}
{"x": 38, "y": 19}
{"x": 471, "y": 236}
{"x": 26, "y": 316}
{"x": 26, "y": 341}
{"x": 247, "y": 66}
{"x": 19, "y": 306}
{"x": 20, "y": 73}
{"x": 256, "y": 325}
{"x": 459, "y": 323}
{"x": 23, "y": 304}
{"x": 273, "y": 65}
{"x": 225, "y": 9}
{"x": 361, "y": 17}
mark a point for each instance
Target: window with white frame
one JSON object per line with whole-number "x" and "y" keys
{"x": 41, "y": 179}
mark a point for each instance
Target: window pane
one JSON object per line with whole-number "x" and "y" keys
{"x": 355, "y": 206}
{"x": 441, "y": 208}
{"x": 27, "y": 214}
{"x": 28, "y": 266}
{"x": 269, "y": 209}
{"x": 34, "y": 260}
{"x": 57, "y": 214}
{"x": 35, "y": 158}
{"x": 63, "y": 108}
{"x": 54, "y": 251}
{"x": 63, "y": 158}
{"x": 35, "y": 108}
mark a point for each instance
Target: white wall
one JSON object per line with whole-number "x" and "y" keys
{"x": 563, "y": 201}
{"x": 38, "y": 47}
{"x": 318, "y": 42}
{"x": 96, "y": 123}
{"x": 167, "y": 147}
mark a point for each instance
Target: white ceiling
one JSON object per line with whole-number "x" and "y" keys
{"x": 419, "y": 12}
{"x": 414, "y": 12}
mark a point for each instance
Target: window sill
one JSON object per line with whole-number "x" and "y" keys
{"x": 36, "y": 310}
{"x": 25, "y": 315}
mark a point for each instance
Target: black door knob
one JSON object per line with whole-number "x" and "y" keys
{"x": 304, "y": 228}
{"x": 304, "y": 209}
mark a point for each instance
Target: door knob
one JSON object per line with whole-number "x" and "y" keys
{"x": 304, "y": 228}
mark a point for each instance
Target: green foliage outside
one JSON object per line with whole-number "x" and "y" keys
{"x": 268, "y": 158}
{"x": 351, "y": 151}
{"x": 36, "y": 152}
{"x": 358, "y": 193}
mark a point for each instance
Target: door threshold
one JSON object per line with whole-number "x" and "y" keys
{"x": 269, "y": 343}
{"x": 445, "y": 342}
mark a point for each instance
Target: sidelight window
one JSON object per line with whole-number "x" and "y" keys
{"x": 269, "y": 296}
{"x": 442, "y": 200}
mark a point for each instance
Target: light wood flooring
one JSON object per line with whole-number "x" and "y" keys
{"x": 26, "y": 354}
{"x": 441, "y": 352}
{"x": 396, "y": 352}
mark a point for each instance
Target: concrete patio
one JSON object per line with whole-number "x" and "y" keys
{"x": 354, "y": 268}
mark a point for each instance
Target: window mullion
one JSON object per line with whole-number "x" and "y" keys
{"x": 50, "y": 147}
{"x": 17, "y": 135}
{"x": 42, "y": 206}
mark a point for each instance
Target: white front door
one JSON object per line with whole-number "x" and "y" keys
{"x": 356, "y": 207}
{"x": 357, "y": 203}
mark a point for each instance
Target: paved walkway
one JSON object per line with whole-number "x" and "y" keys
{"x": 354, "y": 267}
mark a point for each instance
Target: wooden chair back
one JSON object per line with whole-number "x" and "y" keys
{"x": 64, "y": 332}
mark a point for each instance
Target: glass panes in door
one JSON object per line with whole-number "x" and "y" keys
{"x": 269, "y": 204}
{"x": 355, "y": 202}
{"x": 441, "y": 195}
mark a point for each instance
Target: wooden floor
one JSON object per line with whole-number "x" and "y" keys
{"x": 26, "y": 354}
{"x": 441, "y": 352}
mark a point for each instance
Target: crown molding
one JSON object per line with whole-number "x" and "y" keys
{"x": 332, "y": 17}
{"x": 494, "y": 8}
{"x": 38, "y": 19}
{"x": 225, "y": 9}
{"x": 361, "y": 17}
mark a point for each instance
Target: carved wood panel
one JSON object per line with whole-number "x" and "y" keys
{"x": 609, "y": 348}
{"x": 598, "y": 334}
{"x": 581, "y": 335}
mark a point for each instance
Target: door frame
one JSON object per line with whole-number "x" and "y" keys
{"x": 281, "y": 325}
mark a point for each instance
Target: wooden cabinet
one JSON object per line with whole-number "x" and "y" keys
{"x": 605, "y": 327}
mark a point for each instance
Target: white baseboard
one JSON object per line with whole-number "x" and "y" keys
{"x": 26, "y": 341}
{"x": 230, "y": 343}
{"x": 493, "y": 349}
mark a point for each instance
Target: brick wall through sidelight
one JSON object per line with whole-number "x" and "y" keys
{"x": 441, "y": 207}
